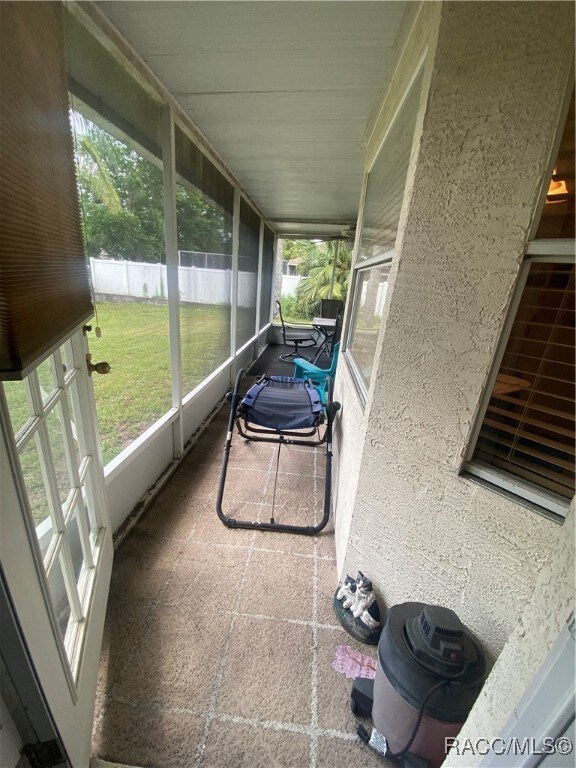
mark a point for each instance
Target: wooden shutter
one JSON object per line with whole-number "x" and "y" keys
{"x": 528, "y": 429}
{"x": 44, "y": 278}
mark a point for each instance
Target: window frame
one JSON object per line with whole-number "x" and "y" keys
{"x": 387, "y": 256}
{"x": 522, "y": 491}
{"x": 386, "y": 259}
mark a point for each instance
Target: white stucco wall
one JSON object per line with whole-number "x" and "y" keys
{"x": 540, "y": 624}
{"x": 494, "y": 81}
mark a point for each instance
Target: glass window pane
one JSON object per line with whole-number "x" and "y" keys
{"x": 557, "y": 219}
{"x": 123, "y": 210}
{"x": 18, "y": 403}
{"x": 528, "y": 430}
{"x": 57, "y": 439}
{"x": 87, "y": 509}
{"x": 46, "y": 378}
{"x": 369, "y": 298}
{"x": 59, "y": 597}
{"x": 247, "y": 274}
{"x": 387, "y": 180}
{"x": 75, "y": 547}
{"x": 205, "y": 279}
{"x": 75, "y": 425}
{"x": 67, "y": 357}
{"x": 36, "y": 490}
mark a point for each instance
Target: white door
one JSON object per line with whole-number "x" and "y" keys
{"x": 55, "y": 539}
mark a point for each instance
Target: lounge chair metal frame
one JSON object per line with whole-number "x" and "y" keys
{"x": 243, "y": 409}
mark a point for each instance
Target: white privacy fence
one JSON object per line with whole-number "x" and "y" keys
{"x": 290, "y": 284}
{"x": 199, "y": 285}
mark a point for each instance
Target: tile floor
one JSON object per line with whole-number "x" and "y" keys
{"x": 218, "y": 642}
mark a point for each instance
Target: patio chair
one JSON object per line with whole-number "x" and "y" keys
{"x": 330, "y": 307}
{"x": 305, "y": 370}
{"x": 295, "y": 339}
{"x": 282, "y": 411}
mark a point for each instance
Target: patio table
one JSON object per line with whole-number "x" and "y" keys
{"x": 325, "y": 326}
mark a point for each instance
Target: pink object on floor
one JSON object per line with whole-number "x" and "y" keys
{"x": 353, "y": 663}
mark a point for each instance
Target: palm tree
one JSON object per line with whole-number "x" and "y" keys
{"x": 325, "y": 268}
{"x": 94, "y": 177}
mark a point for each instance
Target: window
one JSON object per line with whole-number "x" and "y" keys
{"x": 380, "y": 216}
{"x": 524, "y": 443}
{"x": 248, "y": 255}
{"x": 122, "y": 203}
{"x": 205, "y": 284}
{"x": 371, "y": 287}
{"x": 47, "y": 412}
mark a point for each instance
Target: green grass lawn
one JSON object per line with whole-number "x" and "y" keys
{"x": 137, "y": 391}
{"x": 135, "y": 341}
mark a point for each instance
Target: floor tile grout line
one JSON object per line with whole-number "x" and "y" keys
{"x": 209, "y": 715}
{"x": 266, "y": 550}
{"x": 313, "y": 730}
{"x": 285, "y": 620}
{"x": 224, "y": 659}
{"x": 314, "y": 685}
{"x": 314, "y": 688}
{"x": 274, "y": 725}
{"x": 151, "y": 607}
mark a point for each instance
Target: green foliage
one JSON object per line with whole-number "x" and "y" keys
{"x": 121, "y": 195}
{"x": 295, "y": 309}
{"x": 118, "y": 234}
{"x": 320, "y": 263}
{"x": 294, "y": 249}
{"x": 201, "y": 226}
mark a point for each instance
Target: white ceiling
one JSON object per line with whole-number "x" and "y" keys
{"x": 282, "y": 90}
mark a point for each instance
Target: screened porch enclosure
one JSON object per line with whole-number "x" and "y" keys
{"x": 206, "y": 136}
{"x": 182, "y": 257}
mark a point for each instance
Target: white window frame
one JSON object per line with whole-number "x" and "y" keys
{"x": 366, "y": 266}
{"x": 386, "y": 257}
{"x": 49, "y": 536}
{"x": 524, "y": 492}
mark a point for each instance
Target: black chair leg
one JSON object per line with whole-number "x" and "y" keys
{"x": 293, "y": 355}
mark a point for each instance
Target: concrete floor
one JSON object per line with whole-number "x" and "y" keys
{"x": 219, "y": 643}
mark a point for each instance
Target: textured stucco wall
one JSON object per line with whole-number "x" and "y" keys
{"x": 349, "y": 435}
{"x": 416, "y": 40}
{"x": 527, "y": 647}
{"x": 494, "y": 82}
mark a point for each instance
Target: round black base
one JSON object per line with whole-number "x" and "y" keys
{"x": 353, "y": 626}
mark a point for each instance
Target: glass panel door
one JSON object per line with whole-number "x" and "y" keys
{"x": 56, "y": 544}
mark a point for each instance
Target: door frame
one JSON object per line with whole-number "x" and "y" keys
{"x": 29, "y": 710}
{"x": 70, "y": 695}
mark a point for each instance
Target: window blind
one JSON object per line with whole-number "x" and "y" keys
{"x": 528, "y": 429}
{"x": 44, "y": 279}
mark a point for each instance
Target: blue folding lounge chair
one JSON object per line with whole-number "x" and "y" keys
{"x": 285, "y": 411}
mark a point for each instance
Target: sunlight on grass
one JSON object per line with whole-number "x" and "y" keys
{"x": 135, "y": 341}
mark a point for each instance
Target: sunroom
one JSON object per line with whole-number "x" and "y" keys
{"x": 438, "y": 137}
